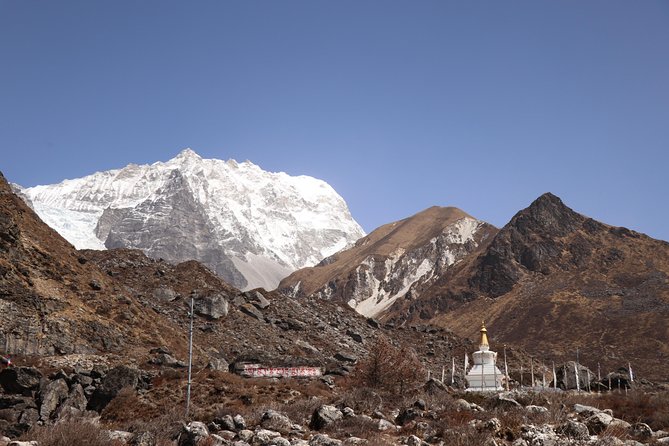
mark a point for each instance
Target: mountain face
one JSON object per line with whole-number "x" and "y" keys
{"x": 63, "y": 306}
{"x": 393, "y": 261}
{"x": 249, "y": 226}
{"x": 552, "y": 281}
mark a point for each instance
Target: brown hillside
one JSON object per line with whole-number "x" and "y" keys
{"x": 340, "y": 271}
{"x": 552, "y": 281}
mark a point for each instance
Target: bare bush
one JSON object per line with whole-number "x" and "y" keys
{"x": 389, "y": 368}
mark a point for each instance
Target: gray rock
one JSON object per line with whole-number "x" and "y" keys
{"x": 29, "y": 417}
{"x": 167, "y": 361}
{"x": 348, "y": 412}
{"x": 406, "y": 415}
{"x": 226, "y": 423}
{"x": 275, "y": 421}
{"x": 240, "y": 423}
{"x": 215, "y": 306}
{"x": 192, "y": 434}
{"x": 304, "y": 345}
{"x": 566, "y": 376}
{"x": 23, "y": 443}
{"x": 166, "y": 294}
{"x": 121, "y": 436}
{"x": 323, "y": 440}
{"x": 585, "y": 411}
{"x": 641, "y": 431}
{"x": 539, "y": 435}
{"x": 115, "y": 380}
{"x": 324, "y": 416}
{"x": 461, "y": 404}
{"x": 280, "y": 441}
{"x": 357, "y": 337}
{"x": 384, "y": 425}
{"x": 218, "y": 364}
{"x": 492, "y": 425}
{"x": 434, "y": 386}
{"x": 51, "y": 396}
{"x": 76, "y": 399}
{"x": 414, "y": 441}
{"x": 143, "y": 439}
{"x": 620, "y": 424}
{"x": 252, "y": 311}
{"x": 345, "y": 357}
{"x": 536, "y": 409}
{"x": 573, "y": 429}
{"x": 257, "y": 299}
{"x": 263, "y": 437}
{"x": 20, "y": 380}
{"x": 503, "y": 401}
{"x": 245, "y": 435}
{"x": 598, "y": 422}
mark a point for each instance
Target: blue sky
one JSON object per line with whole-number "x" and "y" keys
{"x": 399, "y": 105}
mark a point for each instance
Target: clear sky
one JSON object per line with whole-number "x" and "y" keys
{"x": 399, "y": 105}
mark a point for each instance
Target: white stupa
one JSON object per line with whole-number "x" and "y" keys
{"x": 484, "y": 376}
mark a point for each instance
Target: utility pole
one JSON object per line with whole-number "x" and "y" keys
{"x": 190, "y": 355}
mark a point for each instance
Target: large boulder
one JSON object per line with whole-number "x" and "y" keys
{"x": 76, "y": 398}
{"x": 116, "y": 379}
{"x": 406, "y": 415}
{"x": 574, "y": 430}
{"x": 566, "y": 376}
{"x": 53, "y": 394}
{"x": 257, "y": 299}
{"x": 275, "y": 421}
{"x": 21, "y": 380}
{"x": 324, "y": 416}
{"x": 215, "y": 306}
{"x": 192, "y": 434}
{"x": 598, "y": 422}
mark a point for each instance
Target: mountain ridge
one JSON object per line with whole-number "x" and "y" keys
{"x": 553, "y": 280}
{"x": 258, "y": 226}
{"x": 386, "y": 264}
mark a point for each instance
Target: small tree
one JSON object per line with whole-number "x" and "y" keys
{"x": 389, "y": 368}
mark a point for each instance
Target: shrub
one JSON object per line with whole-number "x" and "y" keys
{"x": 389, "y": 368}
{"x": 69, "y": 433}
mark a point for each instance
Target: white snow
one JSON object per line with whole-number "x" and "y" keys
{"x": 292, "y": 222}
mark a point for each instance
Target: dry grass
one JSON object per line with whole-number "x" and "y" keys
{"x": 69, "y": 433}
{"x": 354, "y": 426}
{"x": 633, "y": 407}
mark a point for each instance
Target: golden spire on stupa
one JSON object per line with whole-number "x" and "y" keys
{"x": 484, "y": 335}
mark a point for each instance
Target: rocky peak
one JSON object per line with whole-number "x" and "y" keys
{"x": 547, "y": 215}
{"x": 535, "y": 240}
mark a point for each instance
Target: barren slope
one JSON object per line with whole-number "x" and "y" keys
{"x": 552, "y": 281}
{"x": 391, "y": 261}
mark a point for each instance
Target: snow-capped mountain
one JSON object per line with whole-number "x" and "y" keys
{"x": 250, "y": 226}
{"x": 394, "y": 261}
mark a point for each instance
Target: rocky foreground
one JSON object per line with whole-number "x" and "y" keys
{"x": 124, "y": 405}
